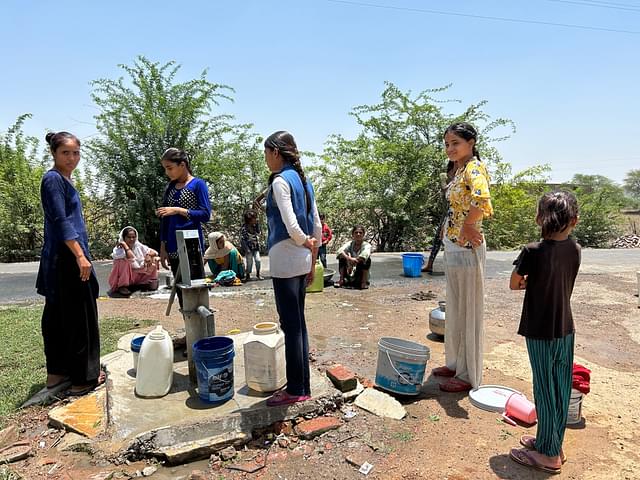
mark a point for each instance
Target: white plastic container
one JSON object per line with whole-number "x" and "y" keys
{"x": 155, "y": 365}
{"x": 264, "y": 360}
{"x": 574, "y": 415}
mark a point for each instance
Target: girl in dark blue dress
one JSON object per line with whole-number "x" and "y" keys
{"x": 66, "y": 277}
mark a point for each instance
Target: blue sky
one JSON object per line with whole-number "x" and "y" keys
{"x": 302, "y": 65}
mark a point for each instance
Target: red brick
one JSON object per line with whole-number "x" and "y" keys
{"x": 366, "y": 383}
{"x": 317, "y": 426}
{"x": 343, "y": 378}
{"x": 283, "y": 427}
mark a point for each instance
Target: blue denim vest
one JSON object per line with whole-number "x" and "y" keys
{"x": 277, "y": 229}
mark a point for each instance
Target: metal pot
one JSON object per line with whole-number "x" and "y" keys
{"x": 169, "y": 279}
{"x": 436, "y": 319}
{"x": 328, "y": 274}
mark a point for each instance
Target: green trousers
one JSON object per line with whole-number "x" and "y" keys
{"x": 552, "y": 367}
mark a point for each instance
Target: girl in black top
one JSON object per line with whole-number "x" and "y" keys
{"x": 547, "y": 271}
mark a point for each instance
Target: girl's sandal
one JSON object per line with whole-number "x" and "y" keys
{"x": 443, "y": 371}
{"x": 282, "y": 397}
{"x": 529, "y": 441}
{"x": 523, "y": 457}
{"x": 59, "y": 383}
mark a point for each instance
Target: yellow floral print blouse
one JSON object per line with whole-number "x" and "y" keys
{"x": 470, "y": 187}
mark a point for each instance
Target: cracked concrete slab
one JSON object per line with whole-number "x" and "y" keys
{"x": 86, "y": 415}
{"x": 180, "y": 426}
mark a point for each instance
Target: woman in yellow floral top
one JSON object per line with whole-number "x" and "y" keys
{"x": 465, "y": 250}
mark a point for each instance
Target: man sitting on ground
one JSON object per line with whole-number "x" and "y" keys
{"x": 354, "y": 261}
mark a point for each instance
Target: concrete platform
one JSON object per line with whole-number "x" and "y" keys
{"x": 179, "y": 426}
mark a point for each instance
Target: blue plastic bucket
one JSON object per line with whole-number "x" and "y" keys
{"x": 213, "y": 358}
{"x": 401, "y": 365}
{"x": 136, "y": 344}
{"x": 412, "y": 264}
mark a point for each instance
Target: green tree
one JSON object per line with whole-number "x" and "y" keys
{"x": 600, "y": 201}
{"x": 236, "y": 169}
{"x": 632, "y": 183}
{"x": 388, "y": 177}
{"x": 99, "y": 217}
{"x": 514, "y": 202}
{"x": 139, "y": 119}
{"x": 21, "y": 170}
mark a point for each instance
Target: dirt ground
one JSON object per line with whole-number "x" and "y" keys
{"x": 443, "y": 436}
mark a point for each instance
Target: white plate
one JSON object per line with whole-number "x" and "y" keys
{"x": 491, "y": 397}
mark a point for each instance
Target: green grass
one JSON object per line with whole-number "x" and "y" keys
{"x": 22, "y": 364}
{"x": 7, "y": 474}
{"x": 404, "y": 436}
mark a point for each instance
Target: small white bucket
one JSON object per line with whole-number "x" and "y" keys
{"x": 575, "y": 407}
{"x": 401, "y": 365}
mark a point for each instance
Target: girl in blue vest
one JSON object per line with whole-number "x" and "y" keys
{"x": 295, "y": 233}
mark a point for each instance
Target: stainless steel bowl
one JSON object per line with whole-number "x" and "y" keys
{"x": 328, "y": 274}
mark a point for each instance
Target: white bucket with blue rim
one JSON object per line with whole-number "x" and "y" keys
{"x": 401, "y": 365}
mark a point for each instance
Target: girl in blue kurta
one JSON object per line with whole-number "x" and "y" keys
{"x": 185, "y": 206}
{"x": 66, "y": 277}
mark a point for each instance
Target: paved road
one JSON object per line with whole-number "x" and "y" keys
{"x": 17, "y": 280}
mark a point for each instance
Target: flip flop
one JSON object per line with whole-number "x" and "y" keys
{"x": 529, "y": 441}
{"x": 455, "y": 385}
{"x": 443, "y": 371}
{"x": 523, "y": 457}
{"x": 102, "y": 377}
{"x": 59, "y": 383}
{"x": 83, "y": 391}
{"x": 283, "y": 398}
{"x": 15, "y": 452}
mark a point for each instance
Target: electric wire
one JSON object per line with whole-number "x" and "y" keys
{"x": 485, "y": 17}
{"x": 597, "y": 5}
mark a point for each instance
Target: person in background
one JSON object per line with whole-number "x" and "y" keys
{"x": 250, "y": 243}
{"x": 66, "y": 277}
{"x": 354, "y": 261}
{"x": 547, "y": 271}
{"x": 185, "y": 206}
{"x": 135, "y": 266}
{"x": 436, "y": 244}
{"x": 327, "y": 235}
{"x": 295, "y": 232}
{"x": 464, "y": 254}
{"x": 223, "y": 255}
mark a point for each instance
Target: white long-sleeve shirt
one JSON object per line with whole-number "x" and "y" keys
{"x": 289, "y": 258}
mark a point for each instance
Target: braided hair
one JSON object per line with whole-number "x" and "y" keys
{"x": 466, "y": 131}
{"x": 284, "y": 142}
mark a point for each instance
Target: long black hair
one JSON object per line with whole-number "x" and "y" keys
{"x": 556, "y": 211}
{"x": 467, "y": 131}
{"x": 284, "y": 142}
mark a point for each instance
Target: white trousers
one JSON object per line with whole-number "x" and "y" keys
{"x": 464, "y": 324}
